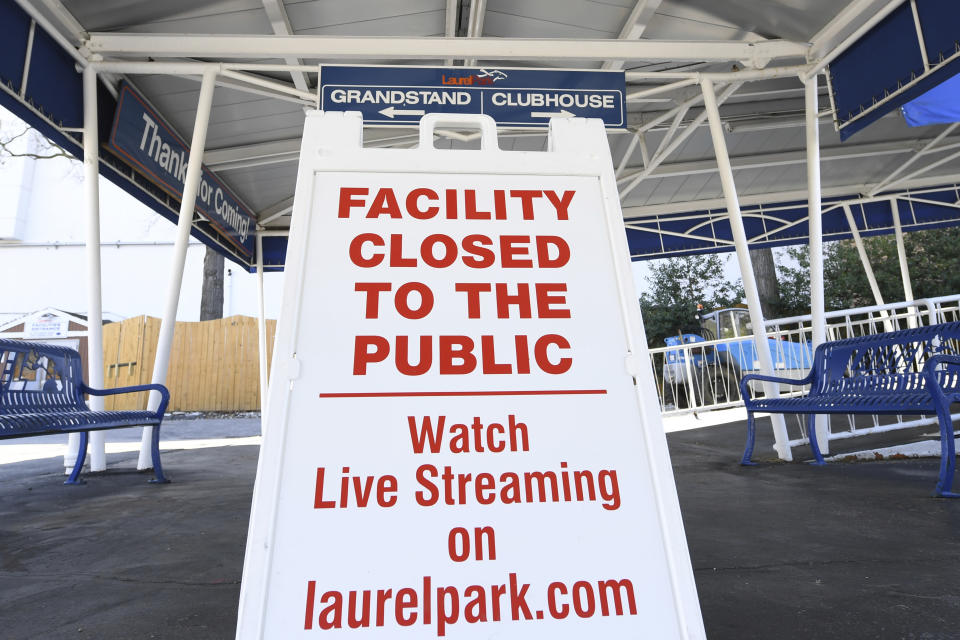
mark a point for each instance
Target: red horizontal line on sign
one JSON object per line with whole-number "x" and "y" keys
{"x": 414, "y": 394}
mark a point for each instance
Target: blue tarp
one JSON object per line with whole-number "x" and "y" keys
{"x": 940, "y": 105}
{"x": 884, "y": 69}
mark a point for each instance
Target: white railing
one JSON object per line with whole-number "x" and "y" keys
{"x": 850, "y": 323}
{"x": 696, "y": 377}
{"x": 699, "y": 376}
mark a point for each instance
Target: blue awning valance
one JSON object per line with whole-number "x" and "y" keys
{"x": 774, "y": 225}
{"x": 903, "y": 57}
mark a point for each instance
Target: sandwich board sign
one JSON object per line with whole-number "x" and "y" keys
{"x": 462, "y": 437}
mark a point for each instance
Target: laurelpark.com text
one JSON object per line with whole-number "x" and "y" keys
{"x": 442, "y": 606}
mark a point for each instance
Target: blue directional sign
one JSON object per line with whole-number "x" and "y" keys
{"x": 148, "y": 144}
{"x": 523, "y": 98}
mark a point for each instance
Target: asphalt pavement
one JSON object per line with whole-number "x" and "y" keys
{"x": 782, "y": 550}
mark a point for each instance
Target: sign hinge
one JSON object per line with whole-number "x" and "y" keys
{"x": 633, "y": 362}
{"x": 293, "y": 368}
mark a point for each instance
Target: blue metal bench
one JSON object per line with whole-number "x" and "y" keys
{"x": 908, "y": 372}
{"x": 41, "y": 393}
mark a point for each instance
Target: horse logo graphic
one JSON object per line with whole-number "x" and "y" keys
{"x": 494, "y": 75}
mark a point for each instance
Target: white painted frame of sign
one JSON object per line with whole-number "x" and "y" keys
{"x": 333, "y": 141}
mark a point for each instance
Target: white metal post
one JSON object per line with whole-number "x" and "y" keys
{"x": 743, "y": 257}
{"x": 864, "y": 258}
{"x": 91, "y": 177}
{"x": 904, "y": 268}
{"x": 184, "y": 224}
{"x": 261, "y": 332}
{"x": 815, "y": 220}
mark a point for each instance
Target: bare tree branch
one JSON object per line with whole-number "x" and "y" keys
{"x": 48, "y": 150}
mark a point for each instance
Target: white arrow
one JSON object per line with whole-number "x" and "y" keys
{"x": 551, "y": 114}
{"x": 390, "y": 112}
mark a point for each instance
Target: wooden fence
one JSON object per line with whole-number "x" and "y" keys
{"x": 213, "y": 365}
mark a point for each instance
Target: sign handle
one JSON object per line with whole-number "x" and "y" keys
{"x": 486, "y": 124}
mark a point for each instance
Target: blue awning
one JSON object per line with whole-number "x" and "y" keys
{"x": 940, "y": 105}
{"x": 775, "y": 225}
{"x": 885, "y": 68}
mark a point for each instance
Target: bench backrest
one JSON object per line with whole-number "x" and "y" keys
{"x": 39, "y": 378}
{"x": 891, "y": 361}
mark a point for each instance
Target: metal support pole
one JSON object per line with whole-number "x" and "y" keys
{"x": 864, "y": 259}
{"x": 743, "y": 257}
{"x": 628, "y": 153}
{"x": 184, "y": 224}
{"x": 904, "y": 268}
{"x": 261, "y": 333}
{"x": 91, "y": 178}
{"x": 815, "y": 220}
{"x": 662, "y": 154}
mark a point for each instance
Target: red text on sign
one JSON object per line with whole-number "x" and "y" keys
{"x": 425, "y": 204}
{"x": 477, "y": 251}
{"x": 355, "y": 491}
{"x": 428, "y": 435}
{"x": 460, "y": 355}
{"x": 548, "y": 296}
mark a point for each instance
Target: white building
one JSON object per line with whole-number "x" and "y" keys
{"x": 42, "y": 240}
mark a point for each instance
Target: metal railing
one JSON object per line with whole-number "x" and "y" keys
{"x": 703, "y": 375}
{"x": 695, "y": 376}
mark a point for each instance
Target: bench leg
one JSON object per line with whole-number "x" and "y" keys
{"x": 948, "y": 454}
{"x": 751, "y": 438}
{"x": 158, "y": 477}
{"x": 81, "y": 456}
{"x": 814, "y": 445}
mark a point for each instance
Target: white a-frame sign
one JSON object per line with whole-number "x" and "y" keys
{"x": 463, "y": 438}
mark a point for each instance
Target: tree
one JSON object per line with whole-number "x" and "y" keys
{"x": 41, "y": 149}
{"x": 765, "y": 272}
{"x": 677, "y": 285}
{"x": 794, "y": 283}
{"x": 932, "y": 258}
{"x": 211, "y": 294}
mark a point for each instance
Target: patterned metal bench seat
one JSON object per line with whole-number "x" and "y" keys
{"x": 41, "y": 393}
{"x": 908, "y": 372}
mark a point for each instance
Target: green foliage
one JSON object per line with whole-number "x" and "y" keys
{"x": 794, "y": 283}
{"x": 676, "y": 286}
{"x": 932, "y": 257}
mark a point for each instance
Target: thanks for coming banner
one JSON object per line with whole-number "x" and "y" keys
{"x": 149, "y": 144}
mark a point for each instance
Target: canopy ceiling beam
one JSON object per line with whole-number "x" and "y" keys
{"x": 164, "y": 45}
{"x": 776, "y": 198}
{"x": 280, "y": 23}
{"x": 783, "y": 158}
{"x": 663, "y": 154}
{"x": 218, "y": 158}
{"x": 450, "y": 23}
{"x": 194, "y": 69}
{"x": 275, "y": 211}
{"x": 930, "y": 147}
{"x": 66, "y": 19}
{"x": 634, "y": 26}
{"x": 478, "y": 11}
